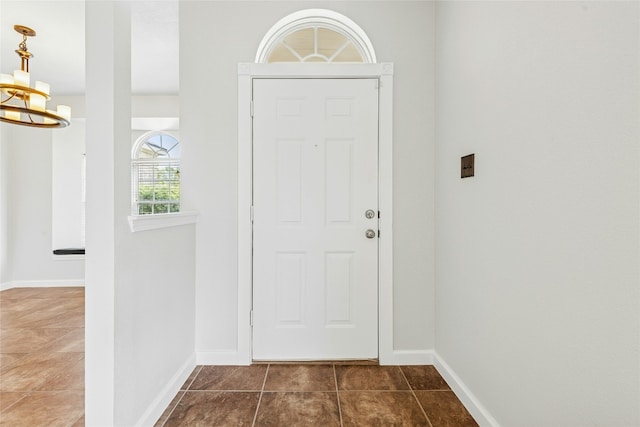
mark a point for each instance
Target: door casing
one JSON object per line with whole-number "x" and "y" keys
{"x": 246, "y": 73}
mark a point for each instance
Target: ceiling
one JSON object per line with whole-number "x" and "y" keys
{"x": 59, "y": 46}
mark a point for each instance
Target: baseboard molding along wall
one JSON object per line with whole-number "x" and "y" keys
{"x": 408, "y": 357}
{"x": 41, "y": 284}
{"x": 166, "y": 395}
{"x": 468, "y": 399}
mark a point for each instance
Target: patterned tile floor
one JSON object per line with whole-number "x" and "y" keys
{"x": 315, "y": 395}
{"x": 42, "y": 381}
{"x": 42, "y": 357}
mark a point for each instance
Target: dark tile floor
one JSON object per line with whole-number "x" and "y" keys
{"x": 42, "y": 373}
{"x": 315, "y": 395}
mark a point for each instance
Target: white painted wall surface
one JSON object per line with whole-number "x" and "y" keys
{"x": 4, "y": 253}
{"x": 29, "y": 210}
{"x": 537, "y": 297}
{"x": 223, "y": 34}
{"x": 140, "y": 286}
{"x": 68, "y": 149}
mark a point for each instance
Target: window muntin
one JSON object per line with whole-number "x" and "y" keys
{"x": 156, "y": 174}
{"x": 315, "y": 44}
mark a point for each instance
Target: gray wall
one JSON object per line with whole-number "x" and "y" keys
{"x": 537, "y": 255}
{"x": 214, "y": 38}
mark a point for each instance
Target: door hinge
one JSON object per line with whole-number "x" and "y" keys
{"x": 250, "y": 317}
{"x": 251, "y": 107}
{"x": 252, "y": 211}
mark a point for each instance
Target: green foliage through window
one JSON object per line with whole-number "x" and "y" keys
{"x": 156, "y": 176}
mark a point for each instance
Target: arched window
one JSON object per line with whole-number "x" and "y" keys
{"x": 316, "y": 35}
{"x": 155, "y": 174}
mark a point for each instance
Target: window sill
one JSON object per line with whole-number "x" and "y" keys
{"x": 153, "y": 222}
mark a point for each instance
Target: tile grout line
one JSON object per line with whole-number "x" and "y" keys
{"x": 26, "y": 394}
{"x": 335, "y": 378}
{"x": 415, "y": 397}
{"x": 199, "y": 369}
{"x": 184, "y": 392}
{"x": 264, "y": 382}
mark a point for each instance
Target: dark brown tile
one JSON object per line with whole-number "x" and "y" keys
{"x": 167, "y": 412}
{"x": 380, "y": 408}
{"x": 59, "y": 408}
{"x": 300, "y": 378}
{"x": 424, "y": 377}
{"x": 444, "y": 409}
{"x": 214, "y": 408}
{"x": 230, "y": 378}
{"x": 370, "y": 378}
{"x": 298, "y": 409}
{"x": 192, "y": 377}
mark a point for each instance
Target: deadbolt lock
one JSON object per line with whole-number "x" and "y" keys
{"x": 370, "y": 214}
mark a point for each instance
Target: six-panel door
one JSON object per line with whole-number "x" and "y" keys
{"x": 315, "y": 175}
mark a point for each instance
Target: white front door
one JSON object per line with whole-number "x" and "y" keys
{"x": 315, "y": 176}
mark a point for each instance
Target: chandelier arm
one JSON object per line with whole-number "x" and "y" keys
{"x": 13, "y": 94}
{"x": 26, "y": 107}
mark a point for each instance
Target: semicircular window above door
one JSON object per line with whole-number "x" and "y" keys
{"x": 316, "y": 35}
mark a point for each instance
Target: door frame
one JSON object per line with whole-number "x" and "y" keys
{"x": 247, "y": 72}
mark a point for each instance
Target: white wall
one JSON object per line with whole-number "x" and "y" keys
{"x": 537, "y": 297}
{"x": 140, "y": 286}
{"x": 221, "y": 35}
{"x": 29, "y": 210}
{"x": 4, "y": 253}
{"x": 67, "y": 198}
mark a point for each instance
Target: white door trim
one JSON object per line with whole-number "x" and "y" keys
{"x": 246, "y": 73}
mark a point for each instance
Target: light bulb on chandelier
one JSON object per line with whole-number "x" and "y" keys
{"x": 22, "y": 104}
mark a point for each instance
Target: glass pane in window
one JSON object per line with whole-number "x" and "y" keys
{"x": 329, "y": 41}
{"x": 302, "y": 41}
{"x": 349, "y": 54}
{"x": 281, "y": 54}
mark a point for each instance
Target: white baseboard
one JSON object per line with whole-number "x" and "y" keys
{"x": 468, "y": 399}
{"x": 222, "y": 357}
{"x": 41, "y": 284}
{"x": 166, "y": 395}
{"x": 408, "y": 357}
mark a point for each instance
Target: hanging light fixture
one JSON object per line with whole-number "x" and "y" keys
{"x": 22, "y": 104}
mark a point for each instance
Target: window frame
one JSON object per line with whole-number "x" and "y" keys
{"x": 136, "y": 161}
{"x": 143, "y": 222}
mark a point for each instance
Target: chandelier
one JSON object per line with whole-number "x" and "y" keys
{"x": 22, "y": 104}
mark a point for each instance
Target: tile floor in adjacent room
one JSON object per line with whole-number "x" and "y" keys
{"x": 42, "y": 357}
{"x": 42, "y": 381}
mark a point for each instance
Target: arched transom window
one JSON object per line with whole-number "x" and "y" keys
{"x": 155, "y": 167}
{"x": 316, "y": 35}
{"x": 315, "y": 44}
